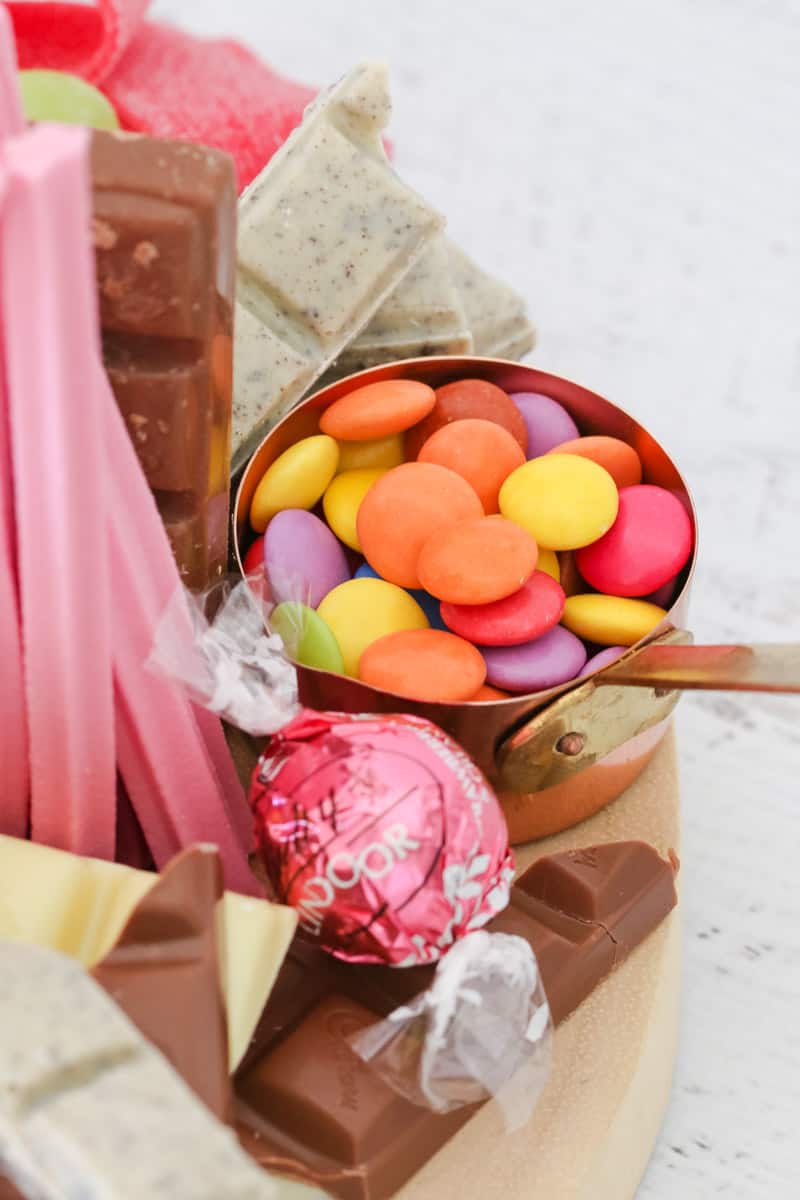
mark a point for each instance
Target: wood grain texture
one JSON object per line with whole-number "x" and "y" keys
{"x": 633, "y": 169}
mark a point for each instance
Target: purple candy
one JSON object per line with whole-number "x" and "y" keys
{"x": 549, "y": 424}
{"x": 303, "y": 559}
{"x": 553, "y": 658}
{"x": 603, "y": 659}
{"x": 664, "y": 595}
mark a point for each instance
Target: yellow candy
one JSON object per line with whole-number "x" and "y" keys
{"x": 563, "y": 501}
{"x": 610, "y": 620}
{"x": 296, "y": 479}
{"x": 342, "y": 501}
{"x": 381, "y": 452}
{"x": 548, "y": 562}
{"x": 363, "y": 610}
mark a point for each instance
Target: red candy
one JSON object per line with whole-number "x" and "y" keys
{"x": 382, "y": 833}
{"x": 646, "y": 546}
{"x": 521, "y": 617}
{"x": 165, "y": 82}
{"x": 253, "y": 561}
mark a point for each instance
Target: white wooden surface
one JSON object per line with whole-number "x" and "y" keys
{"x": 633, "y": 168}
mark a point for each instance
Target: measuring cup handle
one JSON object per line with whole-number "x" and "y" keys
{"x": 759, "y": 668}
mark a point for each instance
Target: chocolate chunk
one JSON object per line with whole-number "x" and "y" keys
{"x": 163, "y": 974}
{"x": 308, "y": 1106}
{"x": 164, "y": 233}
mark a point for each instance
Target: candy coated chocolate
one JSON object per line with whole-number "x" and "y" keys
{"x": 360, "y": 611}
{"x": 383, "y": 835}
{"x": 619, "y": 459}
{"x": 428, "y": 603}
{"x": 378, "y": 410}
{"x": 548, "y": 423}
{"x": 551, "y": 659}
{"x": 482, "y": 452}
{"x": 303, "y": 559}
{"x": 405, "y": 508}
{"x": 603, "y": 658}
{"x": 424, "y": 664}
{"x": 646, "y": 547}
{"x": 520, "y": 617}
{"x": 461, "y": 400}
{"x": 563, "y": 501}
{"x": 610, "y": 620}
{"x": 309, "y": 1106}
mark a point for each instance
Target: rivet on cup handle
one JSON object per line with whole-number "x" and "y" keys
{"x": 632, "y": 695}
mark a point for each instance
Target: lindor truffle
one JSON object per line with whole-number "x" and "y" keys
{"x": 382, "y": 834}
{"x": 164, "y": 231}
{"x": 308, "y": 1106}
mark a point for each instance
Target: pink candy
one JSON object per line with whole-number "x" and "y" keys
{"x": 382, "y": 833}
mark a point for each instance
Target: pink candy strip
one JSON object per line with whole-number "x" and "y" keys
{"x": 13, "y": 721}
{"x": 52, "y": 351}
{"x": 170, "y": 776}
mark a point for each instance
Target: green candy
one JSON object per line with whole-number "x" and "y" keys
{"x": 308, "y": 640}
{"x": 58, "y": 96}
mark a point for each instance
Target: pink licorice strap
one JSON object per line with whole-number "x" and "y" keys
{"x": 52, "y": 354}
{"x": 88, "y": 40}
{"x": 14, "y": 808}
{"x": 170, "y": 775}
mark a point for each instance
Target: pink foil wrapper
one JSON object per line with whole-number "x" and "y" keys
{"x": 382, "y": 833}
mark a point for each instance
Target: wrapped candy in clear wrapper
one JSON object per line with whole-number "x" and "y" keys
{"x": 482, "y": 1029}
{"x": 379, "y": 830}
{"x": 228, "y": 662}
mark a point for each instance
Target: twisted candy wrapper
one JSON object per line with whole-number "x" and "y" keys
{"x": 382, "y": 833}
{"x": 482, "y": 1029}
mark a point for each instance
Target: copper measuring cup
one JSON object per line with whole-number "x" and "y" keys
{"x": 556, "y": 756}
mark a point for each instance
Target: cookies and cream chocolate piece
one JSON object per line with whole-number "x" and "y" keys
{"x": 496, "y": 314}
{"x": 89, "y": 1108}
{"x": 326, "y": 232}
{"x": 424, "y": 315}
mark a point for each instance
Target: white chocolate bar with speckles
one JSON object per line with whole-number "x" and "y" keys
{"x": 89, "y": 1108}
{"x": 326, "y": 232}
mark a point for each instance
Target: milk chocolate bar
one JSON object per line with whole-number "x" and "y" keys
{"x": 164, "y": 974}
{"x": 326, "y": 232}
{"x": 164, "y": 232}
{"x": 309, "y": 1107}
{"x": 496, "y": 314}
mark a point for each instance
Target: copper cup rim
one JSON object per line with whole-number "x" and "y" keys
{"x": 435, "y": 369}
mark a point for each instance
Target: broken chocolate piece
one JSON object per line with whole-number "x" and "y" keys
{"x": 308, "y": 1106}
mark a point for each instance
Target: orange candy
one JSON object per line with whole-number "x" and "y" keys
{"x": 477, "y": 561}
{"x": 377, "y": 410}
{"x": 424, "y": 664}
{"x": 464, "y": 399}
{"x": 401, "y": 511}
{"x": 482, "y": 452}
{"x": 619, "y": 459}
{"x": 487, "y": 692}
